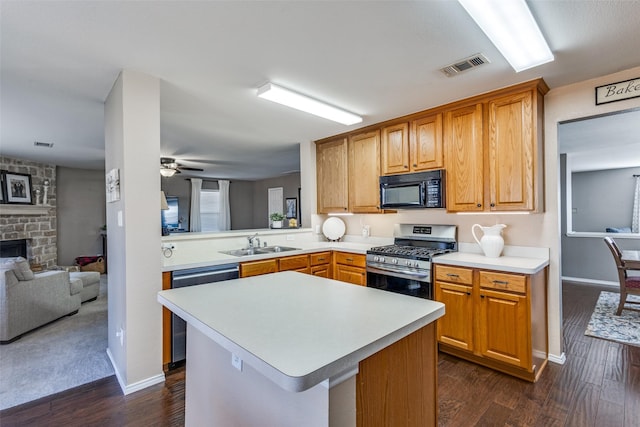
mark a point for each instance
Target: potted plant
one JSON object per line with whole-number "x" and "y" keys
{"x": 276, "y": 219}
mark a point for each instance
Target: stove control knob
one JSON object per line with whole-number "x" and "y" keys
{"x": 376, "y": 258}
{"x": 394, "y": 261}
{"x": 407, "y": 263}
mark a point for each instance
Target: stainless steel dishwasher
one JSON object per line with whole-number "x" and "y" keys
{"x": 192, "y": 277}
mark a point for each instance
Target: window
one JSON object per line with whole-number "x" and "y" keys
{"x": 209, "y": 209}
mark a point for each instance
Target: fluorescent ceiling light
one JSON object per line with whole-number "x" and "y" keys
{"x": 512, "y": 29}
{"x": 292, "y": 99}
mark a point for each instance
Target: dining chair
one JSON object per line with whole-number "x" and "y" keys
{"x": 628, "y": 285}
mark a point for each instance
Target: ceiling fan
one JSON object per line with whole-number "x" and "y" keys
{"x": 169, "y": 167}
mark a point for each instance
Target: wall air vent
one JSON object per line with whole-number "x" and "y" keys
{"x": 465, "y": 65}
{"x": 43, "y": 144}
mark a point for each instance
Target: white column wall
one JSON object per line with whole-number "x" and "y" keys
{"x": 132, "y": 145}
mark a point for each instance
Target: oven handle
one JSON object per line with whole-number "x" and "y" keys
{"x": 401, "y": 274}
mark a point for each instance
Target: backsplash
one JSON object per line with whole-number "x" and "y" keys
{"x": 40, "y": 230}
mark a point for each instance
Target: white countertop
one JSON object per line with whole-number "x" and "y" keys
{"x": 215, "y": 257}
{"x": 512, "y": 264}
{"x": 298, "y": 329}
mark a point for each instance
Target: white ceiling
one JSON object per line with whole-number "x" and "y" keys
{"x": 379, "y": 59}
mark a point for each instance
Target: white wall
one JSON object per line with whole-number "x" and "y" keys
{"x": 132, "y": 145}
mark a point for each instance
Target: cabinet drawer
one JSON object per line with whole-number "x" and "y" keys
{"x": 454, "y": 274}
{"x": 503, "y": 282}
{"x": 255, "y": 268}
{"x": 320, "y": 258}
{"x": 296, "y": 262}
{"x": 351, "y": 259}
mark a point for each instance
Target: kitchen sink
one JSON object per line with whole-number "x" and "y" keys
{"x": 259, "y": 251}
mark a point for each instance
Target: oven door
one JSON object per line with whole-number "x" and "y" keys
{"x": 402, "y": 281}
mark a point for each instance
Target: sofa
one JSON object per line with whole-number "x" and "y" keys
{"x": 29, "y": 300}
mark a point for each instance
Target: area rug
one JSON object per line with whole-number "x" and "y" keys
{"x": 605, "y": 324}
{"x": 64, "y": 354}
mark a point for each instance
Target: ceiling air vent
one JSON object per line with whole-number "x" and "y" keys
{"x": 43, "y": 144}
{"x": 464, "y": 65}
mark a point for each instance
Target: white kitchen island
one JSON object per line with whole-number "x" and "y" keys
{"x": 291, "y": 349}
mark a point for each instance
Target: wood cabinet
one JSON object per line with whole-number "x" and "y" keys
{"x": 494, "y": 318}
{"x": 364, "y": 172}
{"x": 464, "y": 165}
{"x": 395, "y": 149}
{"x": 413, "y": 147}
{"x": 321, "y": 264}
{"x": 493, "y": 152}
{"x": 351, "y": 268}
{"x": 294, "y": 263}
{"x": 332, "y": 174}
{"x": 255, "y": 268}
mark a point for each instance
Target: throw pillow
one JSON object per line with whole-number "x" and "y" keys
{"x": 22, "y": 270}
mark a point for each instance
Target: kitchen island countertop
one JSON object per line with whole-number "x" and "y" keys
{"x": 297, "y": 329}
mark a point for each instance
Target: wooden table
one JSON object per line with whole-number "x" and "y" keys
{"x": 631, "y": 259}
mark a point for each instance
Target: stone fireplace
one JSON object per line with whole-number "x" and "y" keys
{"x": 21, "y": 222}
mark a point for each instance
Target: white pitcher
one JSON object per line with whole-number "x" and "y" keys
{"x": 492, "y": 241}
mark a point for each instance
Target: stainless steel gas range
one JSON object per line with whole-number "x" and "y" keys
{"x": 405, "y": 266}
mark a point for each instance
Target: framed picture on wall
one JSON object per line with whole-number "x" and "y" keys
{"x": 291, "y": 205}
{"x": 3, "y": 197}
{"x": 17, "y": 188}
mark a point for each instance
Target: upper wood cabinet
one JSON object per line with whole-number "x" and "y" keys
{"x": 493, "y": 152}
{"x": 395, "y": 149}
{"x": 426, "y": 151}
{"x": 464, "y": 159}
{"x": 514, "y": 153}
{"x": 412, "y": 147}
{"x": 364, "y": 172}
{"x": 332, "y": 175}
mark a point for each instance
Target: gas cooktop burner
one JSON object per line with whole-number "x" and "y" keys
{"x": 414, "y": 252}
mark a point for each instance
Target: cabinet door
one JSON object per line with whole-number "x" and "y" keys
{"x": 503, "y": 327}
{"x": 255, "y": 268}
{"x": 355, "y": 275}
{"x": 296, "y": 262}
{"x": 395, "y": 149}
{"x": 364, "y": 172}
{"x": 322, "y": 271}
{"x": 456, "y": 326}
{"x": 512, "y": 153}
{"x": 332, "y": 175}
{"x": 464, "y": 159}
{"x": 426, "y": 151}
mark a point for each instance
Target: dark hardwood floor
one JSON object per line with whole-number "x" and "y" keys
{"x": 598, "y": 386}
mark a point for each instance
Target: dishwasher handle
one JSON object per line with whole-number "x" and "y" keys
{"x": 204, "y": 273}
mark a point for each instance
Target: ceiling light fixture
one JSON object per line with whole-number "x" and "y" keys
{"x": 167, "y": 172}
{"x": 512, "y": 29}
{"x": 295, "y": 100}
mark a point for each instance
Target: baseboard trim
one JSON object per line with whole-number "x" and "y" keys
{"x": 132, "y": 388}
{"x": 559, "y": 360}
{"x": 592, "y": 282}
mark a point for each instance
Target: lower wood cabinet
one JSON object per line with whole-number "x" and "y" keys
{"x": 255, "y": 268}
{"x": 494, "y": 318}
{"x": 294, "y": 263}
{"x": 321, "y": 264}
{"x": 349, "y": 267}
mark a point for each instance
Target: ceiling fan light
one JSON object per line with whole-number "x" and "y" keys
{"x": 512, "y": 29}
{"x": 167, "y": 173}
{"x": 300, "y": 102}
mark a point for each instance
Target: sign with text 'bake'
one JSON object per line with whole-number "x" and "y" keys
{"x": 619, "y": 91}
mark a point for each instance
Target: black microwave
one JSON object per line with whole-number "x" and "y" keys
{"x": 413, "y": 190}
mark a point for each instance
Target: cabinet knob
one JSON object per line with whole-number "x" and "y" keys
{"x": 415, "y": 165}
{"x": 479, "y": 205}
{"x": 468, "y": 293}
{"x": 493, "y": 205}
{"x": 406, "y": 167}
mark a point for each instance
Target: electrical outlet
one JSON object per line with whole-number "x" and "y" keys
{"x": 120, "y": 334}
{"x": 236, "y": 362}
{"x": 168, "y": 246}
{"x": 290, "y": 237}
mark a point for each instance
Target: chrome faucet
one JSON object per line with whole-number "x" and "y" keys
{"x": 252, "y": 238}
